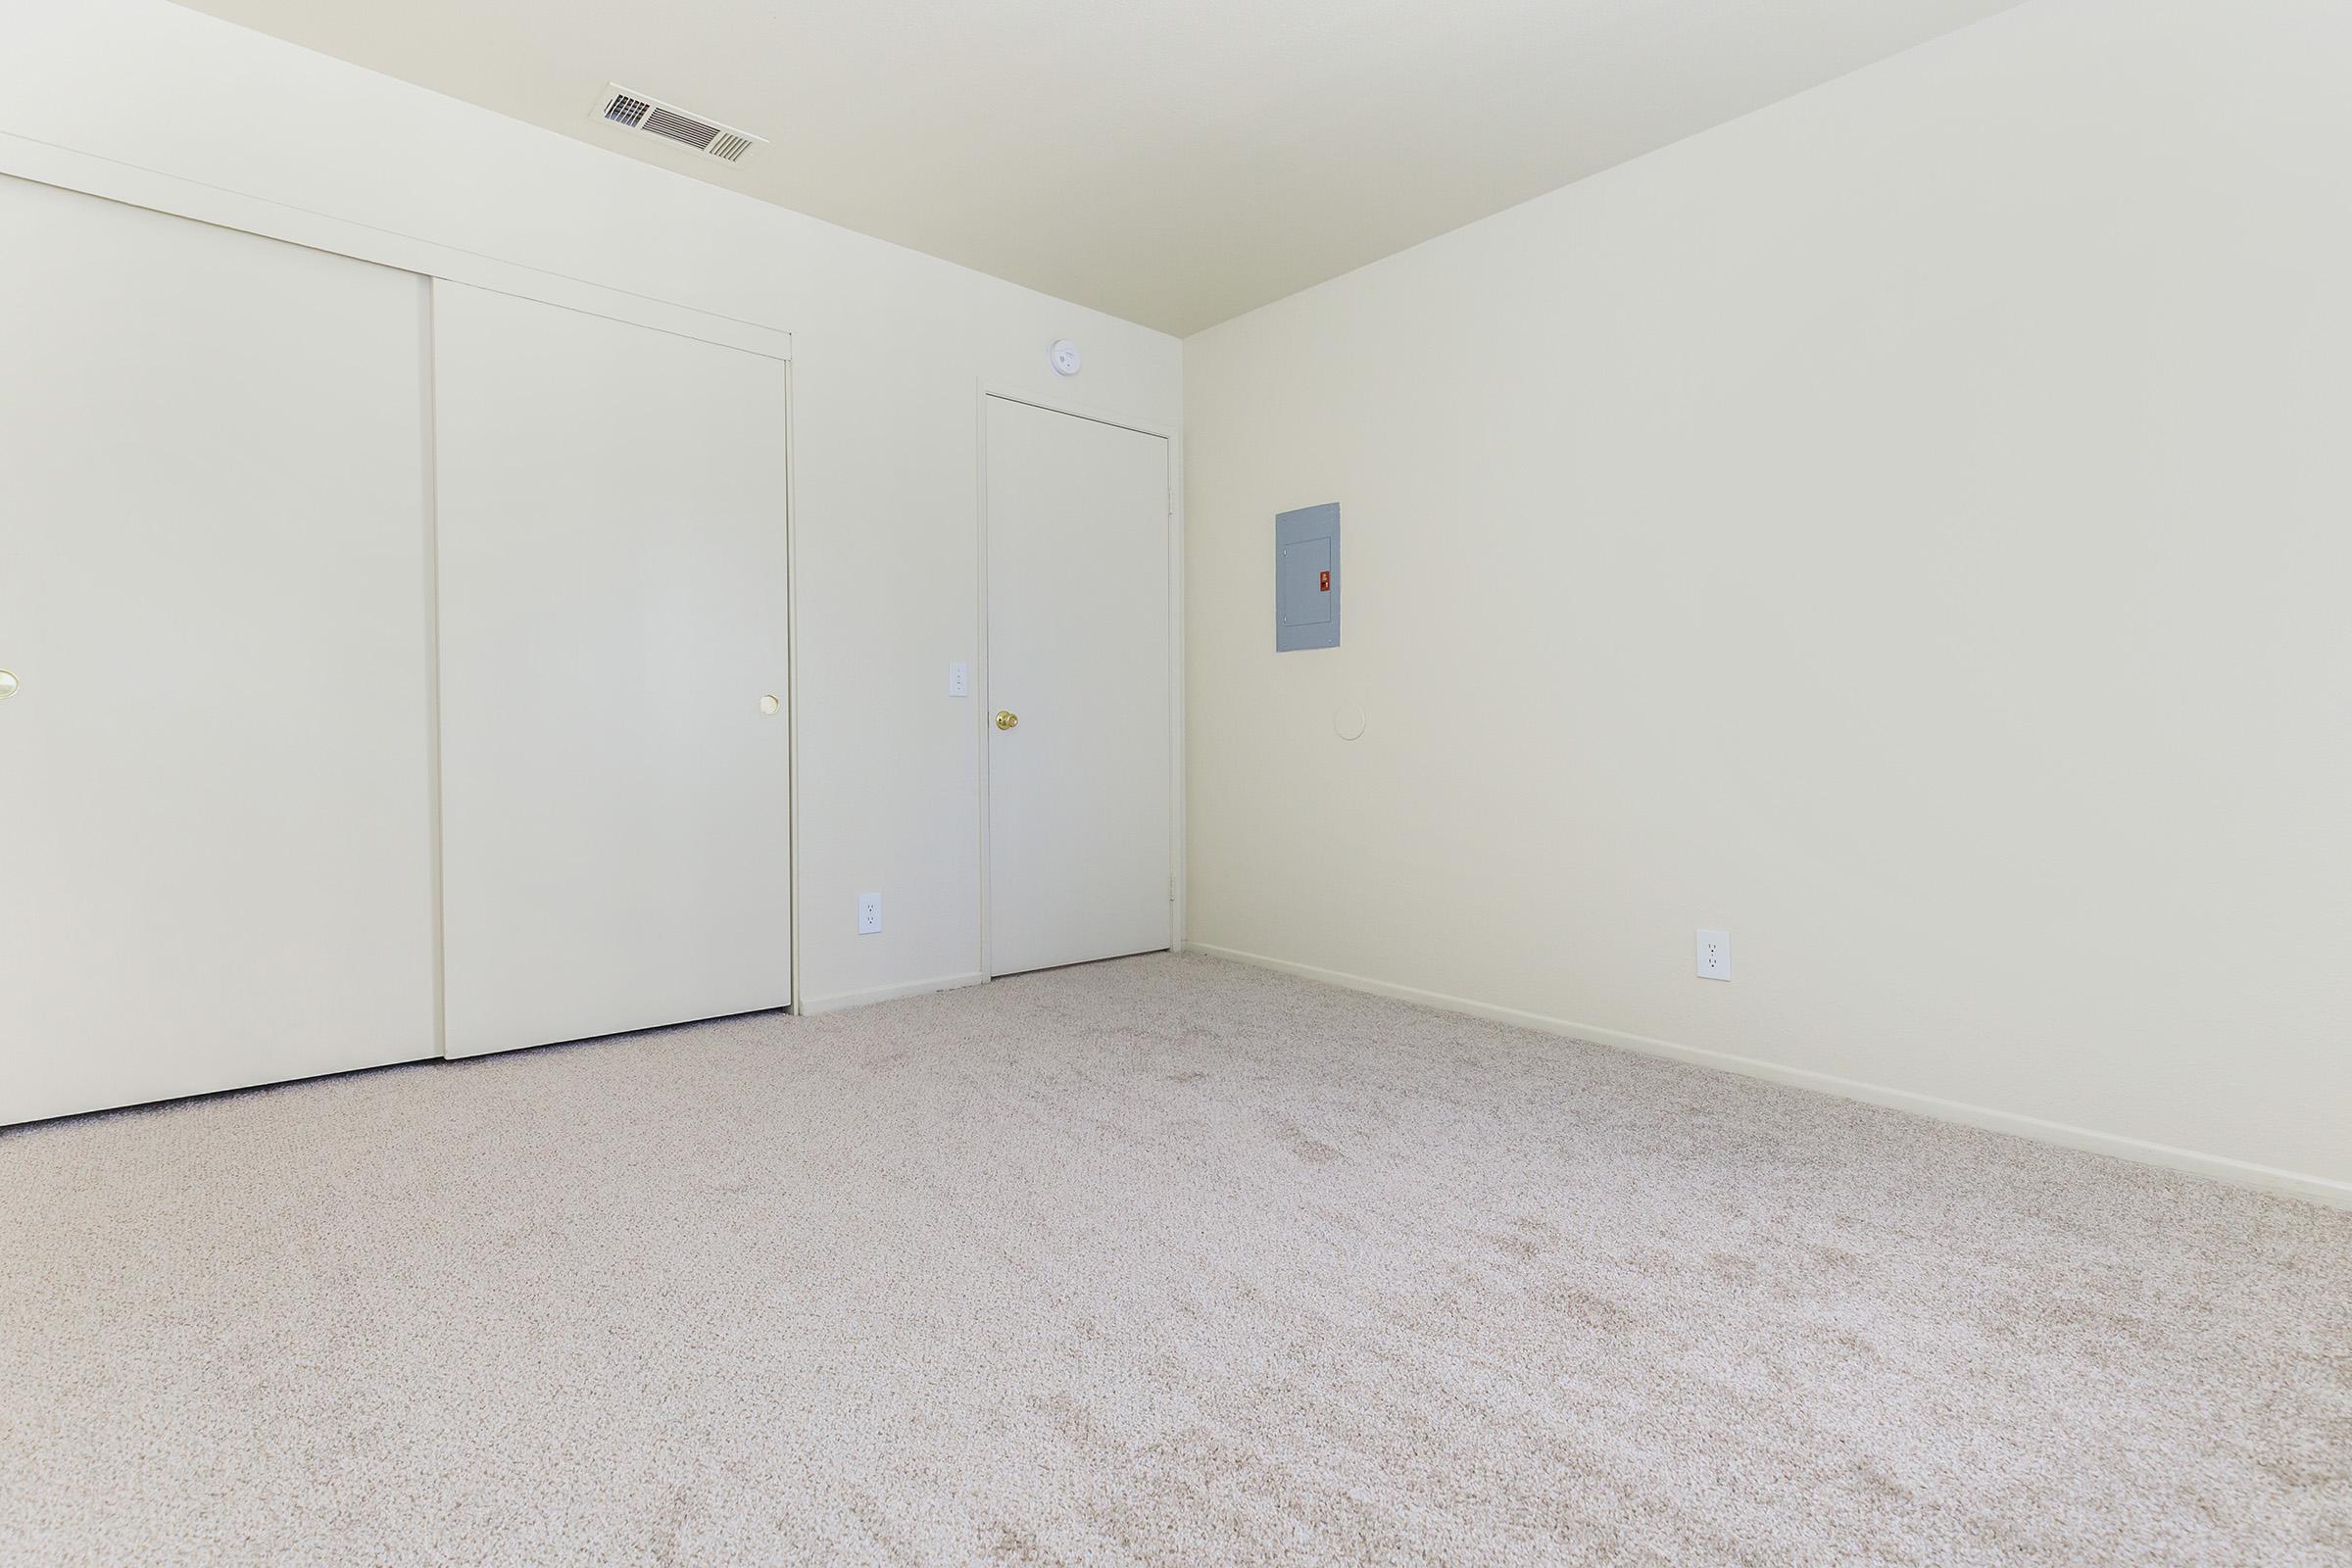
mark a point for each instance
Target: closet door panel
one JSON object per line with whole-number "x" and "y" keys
{"x": 615, "y": 751}
{"x": 215, "y": 864}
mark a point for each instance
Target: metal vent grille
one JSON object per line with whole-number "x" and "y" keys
{"x": 677, "y": 128}
{"x": 643, "y": 112}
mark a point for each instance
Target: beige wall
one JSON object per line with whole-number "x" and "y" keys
{"x": 1908, "y": 527}
{"x": 891, "y": 349}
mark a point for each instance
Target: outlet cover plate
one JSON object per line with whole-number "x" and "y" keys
{"x": 1714, "y": 955}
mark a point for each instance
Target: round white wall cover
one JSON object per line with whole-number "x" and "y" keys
{"x": 1064, "y": 357}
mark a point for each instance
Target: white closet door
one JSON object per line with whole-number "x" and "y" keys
{"x": 216, "y": 831}
{"x": 1080, "y": 792}
{"x": 615, "y": 758}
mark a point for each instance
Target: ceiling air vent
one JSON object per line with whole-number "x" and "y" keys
{"x": 655, "y": 117}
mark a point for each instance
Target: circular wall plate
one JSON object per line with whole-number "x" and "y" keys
{"x": 1064, "y": 357}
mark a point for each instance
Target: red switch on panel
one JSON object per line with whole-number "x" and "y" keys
{"x": 1325, "y": 588}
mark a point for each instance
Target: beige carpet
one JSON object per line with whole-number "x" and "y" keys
{"x": 1159, "y": 1261}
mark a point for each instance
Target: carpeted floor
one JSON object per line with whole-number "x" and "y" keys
{"x": 1162, "y": 1262}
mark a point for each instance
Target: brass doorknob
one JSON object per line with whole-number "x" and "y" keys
{"x": 1005, "y": 720}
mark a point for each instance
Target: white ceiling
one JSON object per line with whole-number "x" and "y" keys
{"x": 1175, "y": 162}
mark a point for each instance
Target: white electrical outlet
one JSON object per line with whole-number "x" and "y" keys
{"x": 870, "y": 913}
{"x": 959, "y": 680}
{"x": 1714, "y": 955}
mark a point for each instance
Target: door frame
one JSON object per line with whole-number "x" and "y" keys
{"x": 1174, "y": 440}
{"x": 68, "y": 168}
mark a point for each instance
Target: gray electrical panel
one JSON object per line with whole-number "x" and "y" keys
{"x": 1306, "y": 578}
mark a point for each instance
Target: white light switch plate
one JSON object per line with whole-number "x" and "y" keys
{"x": 1714, "y": 955}
{"x": 959, "y": 680}
{"x": 870, "y": 913}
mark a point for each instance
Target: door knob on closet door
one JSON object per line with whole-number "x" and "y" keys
{"x": 8, "y": 684}
{"x": 768, "y": 704}
{"x": 1006, "y": 719}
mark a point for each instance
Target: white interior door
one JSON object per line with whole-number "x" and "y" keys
{"x": 215, "y": 791}
{"x": 614, "y": 753}
{"x": 1080, "y": 785}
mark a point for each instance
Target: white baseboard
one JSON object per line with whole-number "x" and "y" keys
{"x": 2237, "y": 1172}
{"x": 911, "y": 988}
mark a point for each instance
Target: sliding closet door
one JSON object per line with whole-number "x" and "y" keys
{"x": 615, "y": 754}
{"x": 215, "y": 832}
